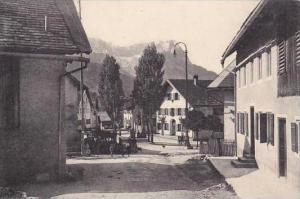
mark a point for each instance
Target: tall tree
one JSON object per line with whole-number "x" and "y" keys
{"x": 110, "y": 88}
{"x": 147, "y": 91}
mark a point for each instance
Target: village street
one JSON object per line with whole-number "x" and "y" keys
{"x": 148, "y": 174}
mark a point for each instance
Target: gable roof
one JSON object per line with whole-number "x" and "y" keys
{"x": 197, "y": 94}
{"x": 226, "y": 78}
{"x": 245, "y": 26}
{"x": 22, "y": 27}
{"x": 104, "y": 117}
{"x": 76, "y": 81}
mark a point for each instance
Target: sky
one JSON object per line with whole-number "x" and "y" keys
{"x": 207, "y": 27}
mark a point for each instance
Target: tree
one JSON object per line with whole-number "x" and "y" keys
{"x": 147, "y": 91}
{"x": 195, "y": 121}
{"x": 110, "y": 88}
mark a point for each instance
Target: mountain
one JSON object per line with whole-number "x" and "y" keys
{"x": 128, "y": 56}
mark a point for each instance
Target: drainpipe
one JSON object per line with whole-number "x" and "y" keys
{"x": 60, "y": 111}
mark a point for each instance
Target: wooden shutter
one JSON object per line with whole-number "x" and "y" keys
{"x": 293, "y": 137}
{"x": 238, "y": 122}
{"x": 297, "y": 61}
{"x": 263, "y": 128}
{"x": 246, "y": 124}
{"x": 271, "y": 126}
{"x": 281, "y": 58}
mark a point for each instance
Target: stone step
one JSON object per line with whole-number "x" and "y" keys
{"x": 238, "y": 164}
{"x": 246, "y": 160}
{"x": 249, "y": 156}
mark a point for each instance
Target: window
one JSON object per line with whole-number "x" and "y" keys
{"x": 269, "y": 63}
{"x": 88, "y": 121}
{"x": 251, "y": 72}
{"x": 259, "y": 67}
{"x": 9, "y": 93}
{"x": 263, "y": 128}
{"x": 179, "y": 111}
{"x": 166, "y": 111}
{"x": 166, "y": 126}
{"x": 169, "y": 96}
{"x": 179, "y": 127}
{"x": 270, "y": 127}
{"x": 176, "y": 96}
{"x": 294, "y": 137}
{"x": 172, "y": 112}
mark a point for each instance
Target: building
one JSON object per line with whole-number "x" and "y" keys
{"x": 172, "y": 108}
{"x": 267, "y": 50}
{"x": 223, "y": 86}
{"x": 104, "y": 120}
{"x": 89, "y": 113}
{"x": 73, "y": 107}
{"x": 38, "y": 39}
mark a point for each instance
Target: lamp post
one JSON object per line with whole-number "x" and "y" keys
{"x": 187, "y": 140}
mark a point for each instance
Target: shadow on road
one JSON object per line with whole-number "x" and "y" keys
{"x": 194, "y": 175}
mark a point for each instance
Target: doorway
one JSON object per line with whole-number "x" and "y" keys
{"x": 173, "y": 127}
{"x": 282, "y": 146}
{"x": 252, "y": 136}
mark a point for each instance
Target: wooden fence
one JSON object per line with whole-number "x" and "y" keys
{"x": 217, "y": 147}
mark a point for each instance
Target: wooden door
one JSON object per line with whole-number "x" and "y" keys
{"x": 282, "y": 146}
{"x": 252, "y": 136}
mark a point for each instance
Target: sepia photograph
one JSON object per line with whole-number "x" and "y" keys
{"x": 150, "y": 99}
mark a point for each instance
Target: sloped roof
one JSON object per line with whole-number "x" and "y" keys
{"x": 245, "y": 26}
{"x": 22, "y": 27}
{"x": 104, "y": 117}
{"x": 225, "y": 79}
{"x": 197, "y": 94}
{"x": 76, "y": 81}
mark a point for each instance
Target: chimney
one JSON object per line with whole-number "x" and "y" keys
{"x": 195, "y": 79}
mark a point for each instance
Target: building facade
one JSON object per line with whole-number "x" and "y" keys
{"x": 33, "y": 60}
{"x": 268, "y": 82}
{"x": 223, "y": 86}
{"x": 173, "y": 107}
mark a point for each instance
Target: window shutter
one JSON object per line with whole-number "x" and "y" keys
{"x": 246, "y": 124}
{"x": 243, "y": 123}
{"x": 237, "y": 122}
{"x": 297, "y": 47}
{"x": 293, "y": 136}
{"x": 257, "y": 115}
{"x": 263, "y": 128}
{"x": 281, "y": 58}
{"x": 272, "y": 129}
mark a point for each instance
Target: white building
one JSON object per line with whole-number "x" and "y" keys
{"x": 223, "y": 85}
{"x": 268, "y": 87}
{"x": 172, "y": 109}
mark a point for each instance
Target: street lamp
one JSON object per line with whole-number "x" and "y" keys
{"x": 187, "y": 140}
